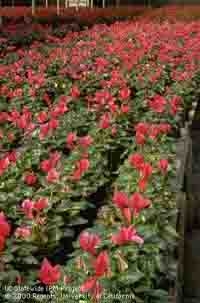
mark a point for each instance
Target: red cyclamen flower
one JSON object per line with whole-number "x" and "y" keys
{"x": 125, "y": 108}
{"x": 142, "y": 130}
{"x": 27, "y": 208}
{"x": 12, "y": 156}
{"x": 101, "y": 264}
{"x": 138, "y": 202}
{"x": 52, "y": 176}
{"x": 105, "y": 121}
{"x": 54, "y": 158}
{"x": 89, "y": 242}
{"x": 120, "y": 199}
{"x": 47, "y": 165}
{"x": 88, "y": 285}
{"x": 59, "y": 110}
{"x": 136, "y": 160}
{"x": 127, "y": 214}
{"x": 42, "y": 117}
{"x": 5, "y": 229}
{"x": 31, "y": 208}
{"x": 44, "y": 131}
{"x": 124, "y": 93}
{"x": 4, "y": 163}
{"x": 163, "y": 165}
{"x": 41, "y": 204}
{"x": 114, "y": 131}
{"x": 126, "y": 235}
{"x": 75, "y": 92}
{"x": 142, "y": 184}
{"x": 81, "y": 167}
{"x": 165, "y": 128}
{"x": 30, "y": 178}
{"x": 175, "y": 105}
{"x": 158, "y": 104}
{"x": 92, "y": 286}
{"x": 49, "y": 274}
{"x": 23, "y": 232}
{"x": 86, "y": 141}
{"x": 4, "y": 226}
{"x": 70, "y": 140}
{"x": 2, "y": 243}
{"x": 53, "y": 124}
{"x": 146, "y": 170}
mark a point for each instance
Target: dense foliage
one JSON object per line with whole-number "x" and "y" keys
{"x": 82, "y": 15}
{"x": 88, "y": 123}
{"x": 88, "y": 16}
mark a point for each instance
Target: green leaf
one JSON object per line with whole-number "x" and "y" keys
{"x": 30, "y": 260}
{"x": 171, "y": 231}
{"x": 131, "y": 278}
{"x": 78, "y": 221}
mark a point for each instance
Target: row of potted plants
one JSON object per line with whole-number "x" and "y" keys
{"x": 101, "y": 107}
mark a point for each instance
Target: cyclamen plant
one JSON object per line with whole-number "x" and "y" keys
{"x": 82, "y": 112}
